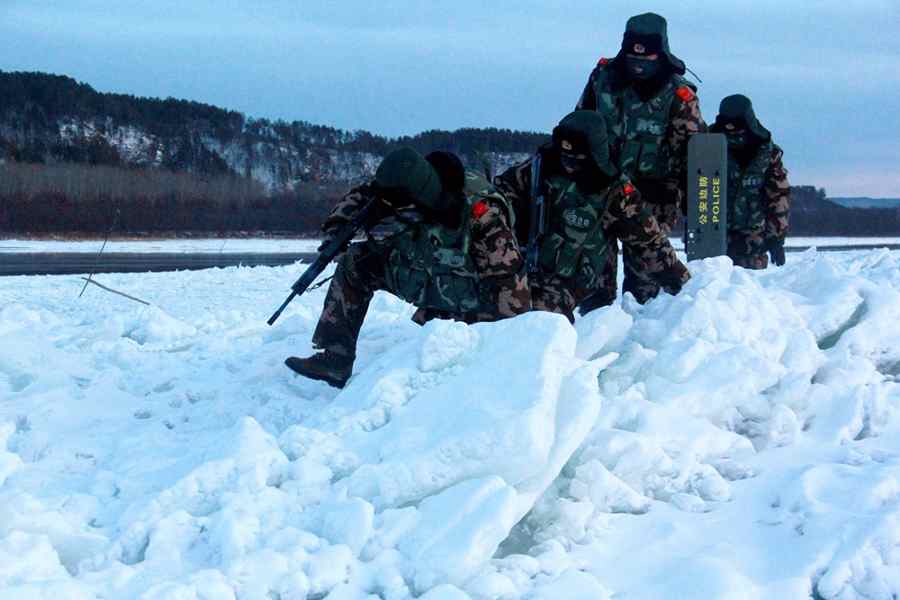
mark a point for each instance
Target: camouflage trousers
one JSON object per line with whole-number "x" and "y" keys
{"x": 665, "y": 201}
{"x": 643, "y": 288}
{"x": 553, "y": 294}
{"x": 747, "y": 249}
{"x": 359, "y": 274}
{"x": 606, "y": 293}
{"x": 665, "y": 206}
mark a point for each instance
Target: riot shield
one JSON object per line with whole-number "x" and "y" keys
{"x": 707, "y": 196}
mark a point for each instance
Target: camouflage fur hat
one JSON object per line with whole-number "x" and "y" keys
{"x": 407, "y": 170}
{"x": 587, "y": 129}
{"x": 737, "y": 108}
{"x": 648, "y": 33}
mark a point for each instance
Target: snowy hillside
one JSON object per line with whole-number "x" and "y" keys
{"x": 54, "y": 119}
{"x": 743, "y": 443}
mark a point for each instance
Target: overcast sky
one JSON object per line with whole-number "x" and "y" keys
{"x": 823, "y": 75}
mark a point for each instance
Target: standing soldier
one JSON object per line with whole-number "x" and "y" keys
{"x": 587, "y": 204}
{"x": 759, "y": 196}
{"x": 439, "y": 238}
{"x": 650, "y": 110}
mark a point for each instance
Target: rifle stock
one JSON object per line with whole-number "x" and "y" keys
{"x": 335, "y": 245}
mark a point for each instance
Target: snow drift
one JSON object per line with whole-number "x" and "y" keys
{"x": 737, "y": 441}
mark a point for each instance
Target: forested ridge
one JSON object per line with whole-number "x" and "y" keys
{"x": 52, "y": 118}
{"x": 812, "y": 213}
{"x": 74, "y": 160}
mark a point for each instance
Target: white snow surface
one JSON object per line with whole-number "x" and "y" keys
{"x": 272, "y": 245}
{"x": 738, "y": 441}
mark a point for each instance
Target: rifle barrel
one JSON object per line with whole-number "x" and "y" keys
{"x": 343, "y": 237}
{"x": 281, "y": 308}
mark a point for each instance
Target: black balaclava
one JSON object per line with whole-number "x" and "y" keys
{"x": 642, "y": 69}
{"x": 744, "y": 132}
{"x": 450, "y": 169}
{"x": 452, "y": 174}
{"x": 583, "y": 133}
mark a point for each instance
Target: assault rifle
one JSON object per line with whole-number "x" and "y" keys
{"x": 537, "y": 224}
{"x": 332, "y": 248}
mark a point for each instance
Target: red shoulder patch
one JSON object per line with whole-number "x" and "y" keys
{"x": 479, "y": 208}
{"x": 685, "y": 93}
{"x": 628, "y": 189}
{"x": 602, "y": 62}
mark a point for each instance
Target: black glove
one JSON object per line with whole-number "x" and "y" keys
{"x": 776, "y": 251}
{"x": 673, "y": 279}
{"x": 324, "y": 243}
{"x": 596, "y": 300}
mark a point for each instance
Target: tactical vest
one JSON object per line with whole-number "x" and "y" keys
{"x": 636, "y": 128}
{"x": 430, "y": 266}
{"x": 575, "y": 245}
{"x": 746, "y": 191}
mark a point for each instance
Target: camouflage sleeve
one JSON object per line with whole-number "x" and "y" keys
{"x": 515, "y": 184}
{"x": 778, "y": 198}
{"x": 633, "y": 223}
{"x": 685, "y": 120}
{"x": 345, "y": 209}
{"x": 497, "y": 257}
{"x": 668, "y": 214}
{"x": 588, "y": 99}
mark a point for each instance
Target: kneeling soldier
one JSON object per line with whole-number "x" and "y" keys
{"x": 440, "y": 239}
{"x": 588, "y": 203}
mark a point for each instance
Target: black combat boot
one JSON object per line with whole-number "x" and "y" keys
{"x": 333, "y": 369}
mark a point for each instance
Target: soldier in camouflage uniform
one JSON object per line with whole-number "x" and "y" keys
{"x": 651, "y": 110}
{"x": 759, "y": 196}
{"x": 440, "y": 238}
{"x": 588, "y": 204}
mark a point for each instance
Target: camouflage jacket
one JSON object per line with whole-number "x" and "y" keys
{"x": 385, "y": 215}
{"x": 637, "y": 124}
{"x": 625, "y": 217}
{"x": 492, "y": 246}
{"x": 759, "y": 194}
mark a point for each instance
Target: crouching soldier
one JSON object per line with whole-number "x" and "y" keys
{"x": 588, "y": 203}
{"x": 439, "y": 238}
{"x": 759, "y": 196}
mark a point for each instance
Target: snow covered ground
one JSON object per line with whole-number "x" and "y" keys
{"x": 296, "y": 245}
{"x": 739, "y": 441}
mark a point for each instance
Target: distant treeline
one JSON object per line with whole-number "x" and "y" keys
{"x": 812, "y": 214}
{"x": 75, "y": 199}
